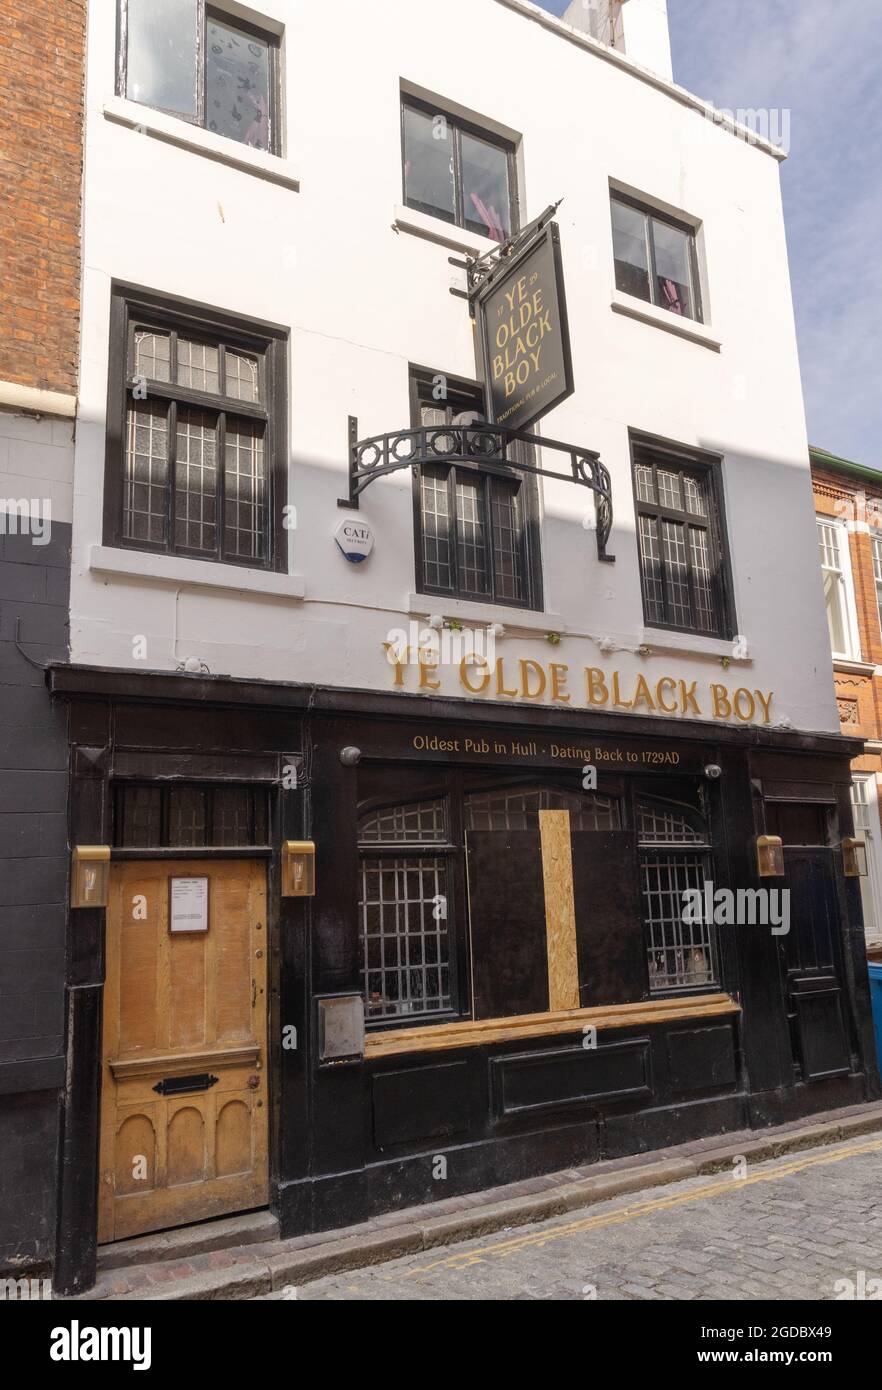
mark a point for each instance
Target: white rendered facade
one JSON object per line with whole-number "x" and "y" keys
{"x": 316, "y": 241}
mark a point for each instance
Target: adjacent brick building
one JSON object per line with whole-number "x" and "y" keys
{"x": 848, "y": 499}
{"x": 41, "y": 118}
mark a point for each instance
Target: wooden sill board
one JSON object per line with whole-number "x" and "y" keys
{"x": 441, "y": 1037}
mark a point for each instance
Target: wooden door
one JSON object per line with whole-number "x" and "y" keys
{"x": 184, "y": 1101}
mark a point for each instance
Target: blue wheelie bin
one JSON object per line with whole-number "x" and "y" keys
{"x": 876, "y": 997}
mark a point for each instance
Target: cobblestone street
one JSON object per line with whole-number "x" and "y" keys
{"x": 790, "y": 1229}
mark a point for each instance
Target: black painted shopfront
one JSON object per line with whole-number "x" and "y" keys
{"x": 533, "y": 998}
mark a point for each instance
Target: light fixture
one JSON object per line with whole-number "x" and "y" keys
{"x": 298, "y": 869}
{"x": 90, "y": 873}
{"x": 854, "y": 858}
{"x": 769, "y": 856}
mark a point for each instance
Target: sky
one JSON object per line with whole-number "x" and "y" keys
{"x": 820, "y": 61}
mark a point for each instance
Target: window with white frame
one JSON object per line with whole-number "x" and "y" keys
{"x": 199, "y": 63}
{"x": 838, "y": 591}
{"x": 876, "y": 544}
{"x": 866, "y": 824}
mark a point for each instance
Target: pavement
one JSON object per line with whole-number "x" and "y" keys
{"x": 700, "y": 1206}
{"x": 799, "y": 1227}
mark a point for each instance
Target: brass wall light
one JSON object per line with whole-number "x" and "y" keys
{"x": 769, "y": 856}
{"x": 90, "y": 874}
{"x": 854, "y": 858}
{"x": 298, "y": 869}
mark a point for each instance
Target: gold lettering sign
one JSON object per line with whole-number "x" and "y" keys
{"x": 554, "y": 683}
{"x": 525, "y": 335}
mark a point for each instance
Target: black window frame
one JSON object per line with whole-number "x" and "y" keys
{"x": 690, "y": 229}
{"x": 120, "y": 787}
{"x": 460, "y": 126}
{"x": 651, "y": 451}
{"x": 132, "y": 309}
{"x": 471, "y": 394}
{"x": 205, "y": 13}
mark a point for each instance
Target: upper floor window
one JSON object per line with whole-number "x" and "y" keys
{"x": 476, "y": 533}
{"x": 876, "y": 543}
{"x": 196, "y": 459}
{"x": 838, "y": 591}
{"x": 457, "y": 172}
{"x": 184, "y": 57}
{"x": 680, "y": 538}
{"x": 655, "y": 258}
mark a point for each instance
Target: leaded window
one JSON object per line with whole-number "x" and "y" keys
{"x": 183, "y": 815}
{"x": 404, "y": 909}
{"x": 198, "y": 467}
{"x": 518, "y": 809}
{"x": 476, "y": 537}
{"x": 675, "y": 859}
{"x": 208, "y": 68}
{"x": 679, "y": 534}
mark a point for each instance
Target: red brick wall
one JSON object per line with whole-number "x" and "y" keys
{"x": 860, "y": 695}
{"x": 42, "y": 45}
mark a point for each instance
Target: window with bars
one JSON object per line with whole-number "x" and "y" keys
{"x": 476, "y": 533}
{"x": 404, "y": 909}
{"x": 190, "y": 816}
{"x": 680, "y": 541}
{"x": 675, "y": 858}
{"x": 196, "y": 464}
{"x": 836, "y": 573}
{"x": 198, "y": 63}
{"x": 655, "y": 258}
{"x": 458, "y": 172}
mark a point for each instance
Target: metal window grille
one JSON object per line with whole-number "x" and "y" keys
{"x": 679, "y": 544}
{"x": 519, "y": 809}
{"x": 402, "y": 907}
{"x": 681, "y": 955}
{"x": 403, "y": 910}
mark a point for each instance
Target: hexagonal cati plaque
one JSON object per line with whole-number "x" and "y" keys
{"x": 355, "y": 539}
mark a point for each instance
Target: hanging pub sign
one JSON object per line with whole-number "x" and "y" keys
{"x": 525, "y": 337}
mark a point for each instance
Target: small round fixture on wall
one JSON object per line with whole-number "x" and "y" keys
{"x": 350, "y": 757}
{"x": 713, "y": 772}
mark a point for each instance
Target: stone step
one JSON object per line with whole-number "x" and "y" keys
{"x": 230, "y": 1232}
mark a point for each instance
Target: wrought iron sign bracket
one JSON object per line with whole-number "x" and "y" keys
{"x": 482, "y": 270}
{"x": 488, "y": 448}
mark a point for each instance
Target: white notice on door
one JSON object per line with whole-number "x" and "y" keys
{"x": 188, "y": 909}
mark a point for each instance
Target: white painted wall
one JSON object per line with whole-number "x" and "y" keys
{"x": 362, "y": 300}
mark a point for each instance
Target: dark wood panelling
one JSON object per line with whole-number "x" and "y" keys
{"x": 609, "y": 922}
{"x": 549, "y": 1080}
{"x": 417, "y": 1104}
{"x": 702, "y": 1059}
{"x": 507, "y": 916}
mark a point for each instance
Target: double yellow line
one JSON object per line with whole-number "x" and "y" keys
{"x": 722, "y": 1188}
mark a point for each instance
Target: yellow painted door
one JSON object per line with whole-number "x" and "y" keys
{"x": 184, "y": 1095}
